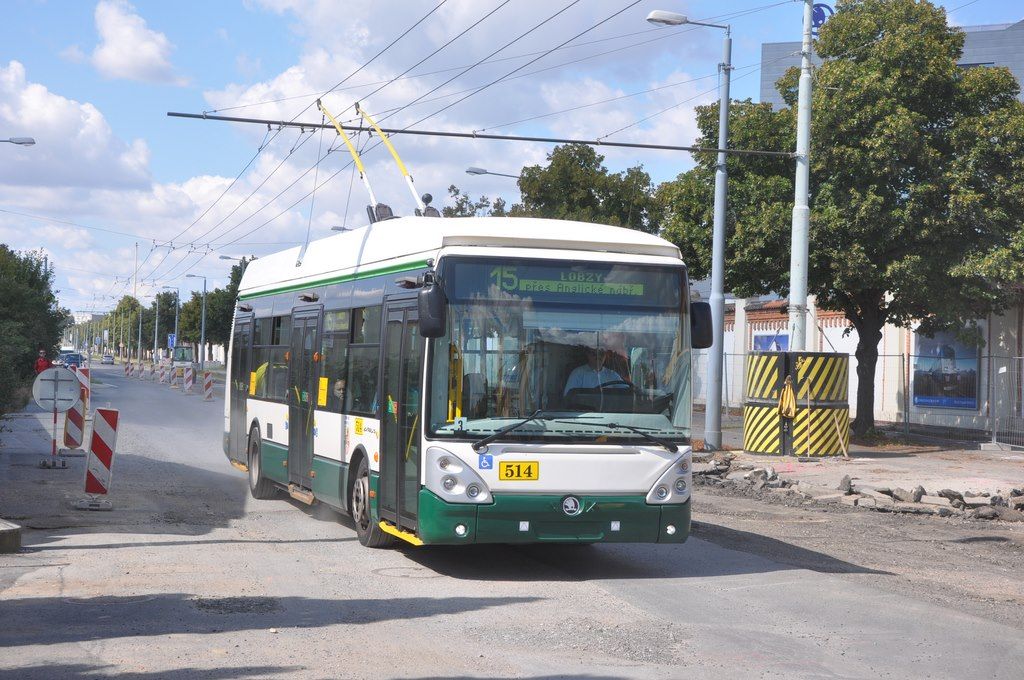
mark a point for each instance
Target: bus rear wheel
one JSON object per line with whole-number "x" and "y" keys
{"x": 260, "y": 487}
{"x": 369, "y": 534}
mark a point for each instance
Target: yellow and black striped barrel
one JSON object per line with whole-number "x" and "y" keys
{"x": 822, "y": 423}
{"x": 762, "y": 425}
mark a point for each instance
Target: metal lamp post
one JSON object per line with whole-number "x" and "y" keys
{"x": 713, "y": 415}
{"x": 472, "y": 170}
{"x": 202, "y": 326}
{"x": 20, "y": 141}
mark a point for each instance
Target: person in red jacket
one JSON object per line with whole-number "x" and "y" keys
{"x": 42, "y": 363}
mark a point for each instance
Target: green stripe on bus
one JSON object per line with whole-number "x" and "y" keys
{"x": 274, "y": 459}
{"x": 328, "y": 480}
{"x": 394, "y": 269}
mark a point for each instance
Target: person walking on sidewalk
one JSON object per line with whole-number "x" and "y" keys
{"x": 42, "y": 363}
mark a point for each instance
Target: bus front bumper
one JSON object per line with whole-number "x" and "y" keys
{"x": 541, "y": 519}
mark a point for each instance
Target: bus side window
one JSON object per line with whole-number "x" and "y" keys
{"x": 366, "y": 324}
{"x": 361, "y": 385}
{"x": 334, "y": 351}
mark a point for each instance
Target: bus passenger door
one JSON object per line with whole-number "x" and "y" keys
{"x": 241, "y": 350}
{"x": 303, "y": 370}
{"x": 400, "y": 419}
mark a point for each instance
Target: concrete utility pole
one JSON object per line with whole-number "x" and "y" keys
{"x": 136, "y": 294}
{"x": 713, "y": 410}
{"x": 156, "y": 325}
{"x": 801, "y": 210}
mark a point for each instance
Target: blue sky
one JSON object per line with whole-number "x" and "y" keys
{"x": 92, "y": 81}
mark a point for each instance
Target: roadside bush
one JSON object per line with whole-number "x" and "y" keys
{"x": 30, "y": 318}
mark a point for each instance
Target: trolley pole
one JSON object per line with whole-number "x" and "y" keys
{"x": 801, "y": 210}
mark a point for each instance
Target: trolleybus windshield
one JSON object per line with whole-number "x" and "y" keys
{"x": 585, "y": 344}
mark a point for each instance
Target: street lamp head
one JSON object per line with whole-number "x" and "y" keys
{"x": 475, "y": 171}
{"x": 339, "y": 227}
{"x": 22, "y": 141}
{"x": 228, "y": 257}
{"x": 194, "y": 276}
{"x": 663, "y": 18}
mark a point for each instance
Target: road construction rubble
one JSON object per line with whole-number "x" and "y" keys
{"x": 721, "y": 469}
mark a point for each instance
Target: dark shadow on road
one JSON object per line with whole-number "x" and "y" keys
{"x": 560, "y": 676}
{"x": 981, "y": 539}
{"x": 747, "y": 554}
{"x": 159, "y": 544}
{"x": 58, "y": 620}
{"x": 777, "y": 551}
{"x": 75, "y": 671}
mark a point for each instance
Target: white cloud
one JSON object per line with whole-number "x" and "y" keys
{"x": 72, "y": 53}
{"x": 75, "y": 146}
{"x": 130, "y": 50}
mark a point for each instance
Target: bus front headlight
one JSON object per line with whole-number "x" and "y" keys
{"x": 453, "y": 480}
{"x": 673, "y": 486}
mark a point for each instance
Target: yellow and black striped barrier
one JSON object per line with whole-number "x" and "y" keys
{"x": 762, "y": 425}
{"x": 818, "y": 382}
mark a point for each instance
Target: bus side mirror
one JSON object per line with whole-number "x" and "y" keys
{"x": 432, "y": 303}
{"x": 701, "y": 332}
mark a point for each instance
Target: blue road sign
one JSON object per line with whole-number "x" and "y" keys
{"x": 170, "y": 339}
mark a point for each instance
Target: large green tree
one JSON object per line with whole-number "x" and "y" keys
{"x": 916, "y": 181}
{"x": 576, "y": 185}
{"x": 30, "y": 320}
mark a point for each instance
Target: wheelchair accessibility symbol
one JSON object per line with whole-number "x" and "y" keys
{"x": 486, "y": 461}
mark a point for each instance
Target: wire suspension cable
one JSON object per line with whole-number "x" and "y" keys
{"x": 509, "y": 138}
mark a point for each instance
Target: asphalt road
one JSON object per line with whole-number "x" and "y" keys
{"x": 188, "y": 577}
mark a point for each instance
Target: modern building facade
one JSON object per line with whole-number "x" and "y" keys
{"x": 987, "y": 45}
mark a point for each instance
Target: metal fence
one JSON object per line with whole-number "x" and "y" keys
{"x": 968, "y": 400}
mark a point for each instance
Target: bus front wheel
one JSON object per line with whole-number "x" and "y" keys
{"x": 369, "y": 534}
{"x": 260, "y": 487}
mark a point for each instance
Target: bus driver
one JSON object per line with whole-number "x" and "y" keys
{"x": 591, "y": 374}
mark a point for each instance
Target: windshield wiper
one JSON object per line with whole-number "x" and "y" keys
{"x": 640, "y": 431}
{"x": 477, "y": 445}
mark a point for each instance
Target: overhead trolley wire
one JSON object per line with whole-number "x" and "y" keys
{"x": 306, "y": 108}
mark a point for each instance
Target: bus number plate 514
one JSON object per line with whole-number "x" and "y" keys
{"x": 518, "y": 471}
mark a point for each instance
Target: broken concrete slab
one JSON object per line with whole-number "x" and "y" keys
{"x": 903, "y": 495}
{"x": 936, "y": 500}
{"x": 829, "y": 497}
{"x": 977, "y": 501}
{"x": 985, "y": 512}
{"x": 951, "y": 495}
{"x": 846, "y": 485}
{"x": 850, "y": 500}
{"x": 914, "y": 508}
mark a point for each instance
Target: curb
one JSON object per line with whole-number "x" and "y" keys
{"x": 10, "y": 537}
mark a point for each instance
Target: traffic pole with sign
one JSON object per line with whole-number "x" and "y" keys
{"x": 56, "y": 389}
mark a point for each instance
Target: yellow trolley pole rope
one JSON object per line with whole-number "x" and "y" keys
{"x": 394, "y": 154}
{"x": 352, "y": 150}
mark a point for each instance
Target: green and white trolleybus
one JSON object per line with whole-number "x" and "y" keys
{"x": 471, "y": 380}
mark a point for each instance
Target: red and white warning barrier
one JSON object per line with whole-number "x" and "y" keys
{"x": 85, "y": 380}
{"x": 74, "y": 423}
{"x": 207, "y": 386}
{"x": 100, "y": 463}
{"x": 127, "y": 369}
{"x": 189, "y": 380}
{"x": 152, "y": 372}
{"x": 163, "y": 374}
{"x": 175, "y": 376}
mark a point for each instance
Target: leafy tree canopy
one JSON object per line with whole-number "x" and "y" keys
{"x": 917, "y": 181}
